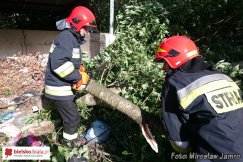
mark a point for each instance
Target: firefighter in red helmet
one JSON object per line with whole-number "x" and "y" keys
{"x": 201, "y": 107}
{"x": 64, "y": 72}
{"x": 81, "y": 17}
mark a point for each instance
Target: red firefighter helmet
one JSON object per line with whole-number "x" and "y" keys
{"x": 81, "y": 17}
{"x": 176, "y": 50}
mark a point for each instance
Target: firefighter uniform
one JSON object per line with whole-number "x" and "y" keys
{"x": 61, "y": 72}
{"x": 203, "y": 108}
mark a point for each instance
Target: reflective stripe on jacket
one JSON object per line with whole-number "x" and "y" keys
{"x": 63, "y": 66}
{"x": 58, "y": 90}
{"x": 222, "y": 93}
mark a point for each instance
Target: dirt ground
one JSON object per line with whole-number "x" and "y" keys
{"x": 21, "y": 73}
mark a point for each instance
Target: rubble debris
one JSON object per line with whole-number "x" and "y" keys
{"x": 39, "y": 128}
{"x": 21, "y": 73}
{"x": 5, "y": 102}
{"x": 21, "y": 86}
{"x": 9, "y": 129}
{"x": 19, "y": 119}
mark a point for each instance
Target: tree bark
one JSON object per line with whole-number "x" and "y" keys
{"x": 115, "y": 101}
{"x": 123, "y": 105}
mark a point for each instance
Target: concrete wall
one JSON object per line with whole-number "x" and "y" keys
{"x": 14, "y": 42}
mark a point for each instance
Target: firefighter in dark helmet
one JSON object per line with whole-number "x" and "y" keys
{"x": 65, "y": 72}
{"x": 201, "y": 107}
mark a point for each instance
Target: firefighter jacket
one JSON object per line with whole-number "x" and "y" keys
{"x": 204, "y": 108}
{"x": 63, "y": 65}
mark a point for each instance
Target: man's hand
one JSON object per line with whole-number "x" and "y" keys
{"x": 82, "y": 84}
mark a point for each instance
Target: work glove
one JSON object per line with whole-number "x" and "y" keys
{"x": 82, "y": 68}
{"x": 82, "y": 84}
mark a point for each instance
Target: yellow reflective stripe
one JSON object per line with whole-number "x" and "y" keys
{"x": 65, "y": 69}
{"x": 161, "y": 50}
{"x": 58, "y": 91}
{"x": 52, "y": 48}
{"x": 76, "y": 53}
{"x": 58, "y": 88}
{"x": 70, "y": 136}
{"x": 188, "y": 99}
{"x": 201, "y": 81}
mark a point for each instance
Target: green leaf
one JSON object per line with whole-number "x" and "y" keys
{"x": 145, "y": 86}
{"x": 126, "y": 153}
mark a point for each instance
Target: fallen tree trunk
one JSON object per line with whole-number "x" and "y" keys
{"x": 123, "y": 105}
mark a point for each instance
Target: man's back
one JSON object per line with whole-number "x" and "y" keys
{"x": 213, "y": 104}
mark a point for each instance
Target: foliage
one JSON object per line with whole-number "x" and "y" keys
{"x": 64, "y": 153}
{"x": 216, "y": 26}
{"x": 101, "y": 9}
{"x": 234, "y": 71}
{"x": 84, "y": 111}
{"x": 27, "y": 21}
{"x": 128, "y": 63}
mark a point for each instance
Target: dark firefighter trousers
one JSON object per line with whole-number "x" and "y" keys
{"x": 70, "y": 115}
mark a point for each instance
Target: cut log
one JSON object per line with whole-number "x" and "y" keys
{"x": 125, "y": 106}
